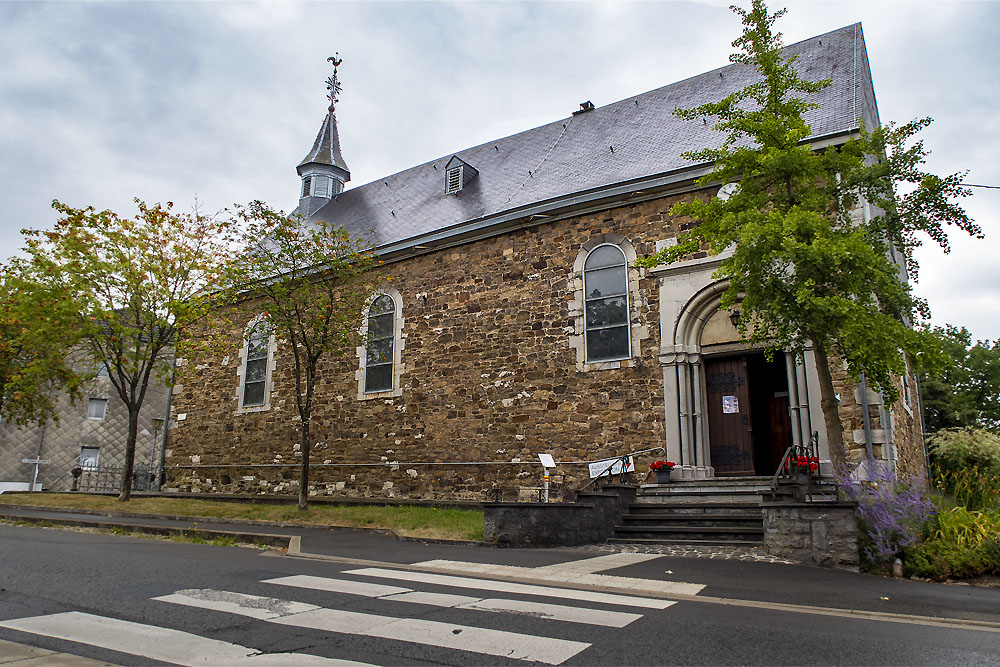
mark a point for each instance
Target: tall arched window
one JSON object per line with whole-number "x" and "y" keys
{"x": 255, "y": 366}
{"x": 379, "y": 344}
{"x": 605, "y": 289}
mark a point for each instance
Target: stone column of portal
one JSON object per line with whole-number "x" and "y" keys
{"x": 683, "y": 404}
{"x": 704, "y": 468}
{"x": 668, "y": 364}
{"x": 794, "y": 402}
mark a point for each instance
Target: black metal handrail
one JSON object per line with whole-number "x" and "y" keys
{"x": 624, "y": 461}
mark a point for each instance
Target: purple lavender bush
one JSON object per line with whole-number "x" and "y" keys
{"x": 892, "y": 515}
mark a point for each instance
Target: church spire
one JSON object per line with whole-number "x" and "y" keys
{"x": 324, "y": 171}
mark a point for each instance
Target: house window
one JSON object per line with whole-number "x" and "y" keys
{"x": 255, "y": 365}
{"x": 97, "y": 408}
{"x": 379, "y": 345}
{"x": 605, "y": 287}
{"x": 380, "y": 358}
{"x": 89, "y": 457}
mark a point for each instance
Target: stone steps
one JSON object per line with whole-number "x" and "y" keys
{"x": 696, "y": 512}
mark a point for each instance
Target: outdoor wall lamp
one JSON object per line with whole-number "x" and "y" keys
{"x": 734, "y": 317}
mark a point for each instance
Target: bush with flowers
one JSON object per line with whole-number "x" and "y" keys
{"x": 806, "y": 464}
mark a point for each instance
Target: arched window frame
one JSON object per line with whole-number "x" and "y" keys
{"x": 245, "y": 358}
{"x": 398, "y": 343}
{"x": 637, "y": 331}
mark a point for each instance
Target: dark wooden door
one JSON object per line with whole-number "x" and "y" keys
{"x": 729, "y": 426}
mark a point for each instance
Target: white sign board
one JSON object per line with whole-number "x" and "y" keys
{"x": 546, "y": 460}
{"x": 610, "y": 467}
{"x": 730, "y": 405}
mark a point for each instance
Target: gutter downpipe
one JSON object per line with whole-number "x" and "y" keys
{"x": 166, "y": 424}
{"x": 866, "y": 420}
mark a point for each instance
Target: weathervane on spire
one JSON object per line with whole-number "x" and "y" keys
{"x": 332, "y": 82}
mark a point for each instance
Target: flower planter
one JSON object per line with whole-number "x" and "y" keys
{"x": 662, "y": 476}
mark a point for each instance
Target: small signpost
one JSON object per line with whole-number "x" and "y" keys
{"x": 547, "y": 463}
{"x": 37, "y": 461}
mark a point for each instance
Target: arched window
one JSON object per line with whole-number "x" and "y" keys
{"x": 605, "y": 289}
{"x": 255, "y": 366}
{"x": 379, "y": 353}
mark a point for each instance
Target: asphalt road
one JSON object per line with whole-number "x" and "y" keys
{"x": 132, "y": 601}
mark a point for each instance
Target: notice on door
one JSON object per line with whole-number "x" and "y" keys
{"x": 730, "y": 405}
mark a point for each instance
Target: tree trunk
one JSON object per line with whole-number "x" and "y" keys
{"x": 133, "y": 429}
{"x": 304, "y": 470}
{"x": 828, "y": 403}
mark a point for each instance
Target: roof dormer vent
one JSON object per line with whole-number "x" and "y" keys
{"x": 457, "y": 174}
{"x": 584, "y": 108}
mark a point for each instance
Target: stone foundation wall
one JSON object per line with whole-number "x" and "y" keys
{"x": 823, "y": 534}
{"x": 490, "y": 340}
{"x": 590, "y": 520}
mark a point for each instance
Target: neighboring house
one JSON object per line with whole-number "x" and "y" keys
{"x": 518, "y": 323}
{"x": 90, "y": 434}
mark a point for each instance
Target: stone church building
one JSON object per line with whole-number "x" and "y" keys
{"x": 517, "y": 322}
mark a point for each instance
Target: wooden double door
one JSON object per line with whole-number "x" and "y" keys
{"x": 749, "y": 425}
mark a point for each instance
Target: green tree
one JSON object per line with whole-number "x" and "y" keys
{"x": 133, "y": 285}
{"x": 37, "y": 335}
{"x": 808, "y": 270}
{"x": 965, "y": 392}
{"x": 312, "y": 281}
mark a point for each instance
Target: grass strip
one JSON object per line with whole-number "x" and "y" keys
{"x": 406, "y": 520}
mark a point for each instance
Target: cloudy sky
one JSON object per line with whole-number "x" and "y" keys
{"x": 103, "y": 102}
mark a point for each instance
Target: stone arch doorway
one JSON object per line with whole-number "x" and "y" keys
{"x": 729, "y": 410}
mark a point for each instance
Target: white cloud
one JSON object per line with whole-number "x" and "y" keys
{"x": 101, "y": 102}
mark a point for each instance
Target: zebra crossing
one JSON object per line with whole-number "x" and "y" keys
{"x": 380, "y": 586}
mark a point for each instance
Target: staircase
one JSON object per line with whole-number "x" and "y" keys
{"x": 719, "y": 511}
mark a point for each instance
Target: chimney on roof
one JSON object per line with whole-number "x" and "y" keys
{"x": 584, "y": 107}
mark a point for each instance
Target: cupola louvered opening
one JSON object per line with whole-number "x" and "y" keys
{"x": 453, "y": 180}
{"x": 306, "y": 182}
{"x": 320, "y": 186}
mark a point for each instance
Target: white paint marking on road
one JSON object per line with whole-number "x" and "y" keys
{"x": 459, "y": 637}
{"x": 363, "y": 588}
{"x": 556, "y": 612}
{"x": 598, "y": 563}
{"x": 512, "y": 587}
{"x": 430, "y": 633}
{"x": 435, "y": 599}
{"x": 253, "y": 606}
{"x": 541, "y": 610}
{"x": 568, "y": 573}
{"x": 156, "y": 643}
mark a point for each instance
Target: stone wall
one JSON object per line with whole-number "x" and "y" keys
{"x": 823, "y": 534}
{"x": 896, "y": 430}
{"x": 590, "y": 520}
{"x": 491, "y": 379}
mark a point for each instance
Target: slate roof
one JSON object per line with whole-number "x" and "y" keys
{"x": 574, "y": 154}
{"x": 326, "y": 147}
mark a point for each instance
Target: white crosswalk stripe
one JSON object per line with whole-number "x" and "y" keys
{"x": 555, "y": 612}
{"x": 163, "y": 644}
{"x": 582, "y": 571}
{"x": 434, "y": 633}
{"x": 512, "y": 587}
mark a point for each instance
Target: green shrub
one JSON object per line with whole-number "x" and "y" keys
{"x": 963, "y": 448}
{"x": 971, "y": 487}
{"x": 961, "y": 544}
